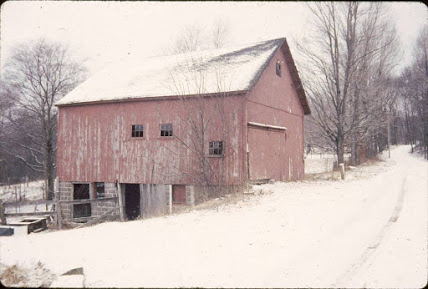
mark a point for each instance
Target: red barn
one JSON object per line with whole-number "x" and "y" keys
{"x": 145, "y": 130}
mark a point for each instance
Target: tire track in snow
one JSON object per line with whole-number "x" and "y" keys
{"x": 346, "y": 277}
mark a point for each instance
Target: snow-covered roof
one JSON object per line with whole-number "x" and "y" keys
{"x": 231, "y": 69}
{"x": 204, "y": 72}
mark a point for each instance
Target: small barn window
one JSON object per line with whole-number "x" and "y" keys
{"x": 216, "y": 148}
{"x": 99, "y": 190}
{"x": 81, "y": 192}
{"x": 278, "y": 68}
{"x": 82, "y": 210}
{"x": 166, "y": 129}
{"x": 137, "y": 130}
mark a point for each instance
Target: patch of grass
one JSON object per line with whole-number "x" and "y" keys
{"x": 18, "y": 276}
{"x": 12, "y": 276}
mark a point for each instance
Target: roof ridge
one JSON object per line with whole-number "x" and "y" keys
{"x": 227, "y": 47}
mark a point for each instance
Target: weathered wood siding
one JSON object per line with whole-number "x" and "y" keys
{"x": 271, "y": 155}
{"x": 153, "y": 200}
{"x": 274, "y": 101}
{"x": 95, "y": 143}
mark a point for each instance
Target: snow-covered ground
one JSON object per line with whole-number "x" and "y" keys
{"x": 316, "y": 163}
{"x": 367, "y": 231}
{"x": 24, "y": 192}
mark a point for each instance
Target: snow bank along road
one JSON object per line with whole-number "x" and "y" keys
{"x": 369, "y": 231}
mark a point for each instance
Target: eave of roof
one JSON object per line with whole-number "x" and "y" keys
{"x": 295, "y": 78}
{"x": 166, "y": 97}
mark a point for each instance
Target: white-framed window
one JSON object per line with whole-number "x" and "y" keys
{"x": 166, "y": 129}
{"x": 216, "y": 148}
{"x": 137, "y": 130}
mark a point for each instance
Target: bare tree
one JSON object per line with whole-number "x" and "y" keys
{"x": 413, "y": 86}
{"x": 219, "y": 33}
{"x": 195, "y": 37}
{"x": 420, "y": 68}
{"x": 11, "y": 169}
{"x": 190, "y": 39}
{"x": 206, "y": 116}
{"x": 36, "y": 76}
{"x": 352, "y": 48}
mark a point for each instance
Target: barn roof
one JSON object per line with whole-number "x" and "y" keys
{"x": 231, "y": 69}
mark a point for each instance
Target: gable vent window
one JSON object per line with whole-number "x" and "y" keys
{"x": 278, "y": 68}
{"x": 137, "y": 130}
{"x": 216, "y": 148}
{"x": 166, "y": 129}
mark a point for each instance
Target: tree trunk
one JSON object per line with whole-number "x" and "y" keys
{"x": 50, "y": 169}
{"x": 340, "y": 150}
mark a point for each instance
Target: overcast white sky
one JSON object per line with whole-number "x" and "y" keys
{"x": 104, "y": 31}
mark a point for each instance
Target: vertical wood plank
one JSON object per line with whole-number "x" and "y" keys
{"x": 143, "y": 205}
{"x": 119, "y": 197}
{"x": 2, "y": 218}
{"x": 170, "y": 198}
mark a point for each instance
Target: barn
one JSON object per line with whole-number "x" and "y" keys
{"x": 145, "y": 134}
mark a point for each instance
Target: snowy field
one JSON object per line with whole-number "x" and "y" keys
{"x": 367, "y": 231}
{"x": 316, "y": 163}
{"x": 25, "y": 192}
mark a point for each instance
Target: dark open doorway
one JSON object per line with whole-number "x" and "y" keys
{"x": 132, "y": 201}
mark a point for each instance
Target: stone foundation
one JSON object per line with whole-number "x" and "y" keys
{"x": 98, "y": 206}
{"x": 154, "y": 198}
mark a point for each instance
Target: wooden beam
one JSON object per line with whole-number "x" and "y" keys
{"x": 266, "y": 126}
{"x": 25, "y": 203}
{"x": 84, "y": 201}
{"x": 11, "y": 215}
{"x": 52, "y": 202}
{"x": 119, "y": 197}
{"x": 170, "y": 198}
{"x": 79, "y": 220}
{"x": 96, "y": 219}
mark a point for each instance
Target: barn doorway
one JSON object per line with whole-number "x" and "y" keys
{"x": 132, "y": 201}
{"x": 266, "y": 156}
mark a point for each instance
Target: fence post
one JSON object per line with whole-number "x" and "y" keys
{"x": 2, "y": 218}
{"x": 342, "y": 170}
{"x": 58, "y": 214}
{"x": 56, "y": 188}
